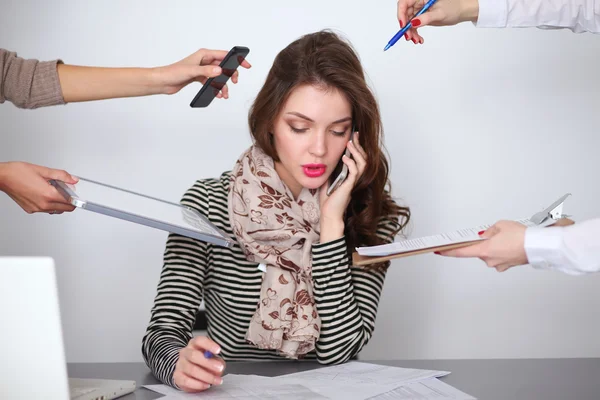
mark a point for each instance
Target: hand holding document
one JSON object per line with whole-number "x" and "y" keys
{"x": 451, "y": 240}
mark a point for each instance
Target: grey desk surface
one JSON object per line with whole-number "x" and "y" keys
{"x": 548, "y": 379}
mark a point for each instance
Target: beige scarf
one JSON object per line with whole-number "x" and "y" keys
{"x": 276, "y": 230}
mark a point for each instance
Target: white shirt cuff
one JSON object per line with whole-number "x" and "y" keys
{"x": 492, "y": 14}
{"x": 545, "y": 249}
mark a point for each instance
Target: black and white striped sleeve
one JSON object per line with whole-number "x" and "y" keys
{"x": 346, "y": 297}
{"x": 178, "y": 297}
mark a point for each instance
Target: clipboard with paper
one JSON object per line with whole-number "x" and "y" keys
{"x": 450, "y": 240}
{"x": 141, "y": 209}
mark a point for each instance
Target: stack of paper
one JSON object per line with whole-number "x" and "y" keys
{"x": 350, "y": 381}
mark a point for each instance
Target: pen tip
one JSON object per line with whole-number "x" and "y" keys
{"x": 387, "y": 46}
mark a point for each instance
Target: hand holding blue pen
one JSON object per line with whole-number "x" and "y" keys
{"x": 198, "y": 366}
{"x": 402, "y": 31}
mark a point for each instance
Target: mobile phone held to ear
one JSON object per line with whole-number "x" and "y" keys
{"x": 213, "y": 86}
{"x": 340, "y": 173}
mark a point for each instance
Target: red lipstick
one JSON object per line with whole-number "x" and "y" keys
{"x": 314, "y": 170}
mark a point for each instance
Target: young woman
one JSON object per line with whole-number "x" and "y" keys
{"x": 288, "y": 289}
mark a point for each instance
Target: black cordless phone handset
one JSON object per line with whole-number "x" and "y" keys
{"x": 340, "y": 173}
{"x": 213, "y": 86}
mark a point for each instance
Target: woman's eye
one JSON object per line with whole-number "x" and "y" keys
{"x": 298, "y": 130}
{"x": 336, "y": 133}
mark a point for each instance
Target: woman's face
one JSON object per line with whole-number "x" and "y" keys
{"x": 310, "y": 136}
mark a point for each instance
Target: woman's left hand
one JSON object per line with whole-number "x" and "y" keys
{"x": 334, "y": 206}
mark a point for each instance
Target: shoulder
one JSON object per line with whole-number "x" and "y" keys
{"x": 204, "y": 192}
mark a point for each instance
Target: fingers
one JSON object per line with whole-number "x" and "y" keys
{"x": 205, "y": 343}
{"x": 353, "y": 173}
{"x": 195, "y": 366}
{"x": 208, "y": 56}
{"x": 417, "y": 39}
{"x": 208, "y": 71}
{"x": 358, "y": 154}
{"x": 476, "y": 250}
{"x": 59, "y": 175}
{"x": 211, "y": 369}
{"x": 188, "y": 384}
{"x": 563, "y": 222}
{"x": 323, "y": 193}
{"x": 358, "y": 146}
{"x": 60, "y": 207}
{"x": 403, "y": 8}
{"x": 225, "y": 92}
{"x": 491, "y": 231}
{"x": 431, "y": 17}
{"x": 51, "y": 201}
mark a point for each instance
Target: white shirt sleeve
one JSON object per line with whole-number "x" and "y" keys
{"x": 573, "y": 249}
{"x": 576, "y": 15}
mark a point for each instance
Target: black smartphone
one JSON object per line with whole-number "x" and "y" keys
{"x": 213, "y": 86}
{"x": 340, "y": 173}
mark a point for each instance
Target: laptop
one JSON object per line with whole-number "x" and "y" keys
{"x": 32, "y": 358}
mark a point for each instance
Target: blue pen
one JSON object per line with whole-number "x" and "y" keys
{"x": 208, "y": 354}
{"x": 402, "y": 31}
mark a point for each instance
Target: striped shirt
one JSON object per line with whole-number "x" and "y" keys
{"x": 346, "y": 297}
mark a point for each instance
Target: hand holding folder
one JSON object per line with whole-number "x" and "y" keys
{"x": 447, "y": 241}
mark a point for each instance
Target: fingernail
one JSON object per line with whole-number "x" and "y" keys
{"x": 481, "y": 233}
{"x": 416, "y": 22}
{"x": 220, "y": 367}
{"x": 436, "y": 252}
{"x": 400, "y": 22}
{"x": 414, "y": 41}
{"x": 218, "y": 381}
{"x": 216, "y": 70}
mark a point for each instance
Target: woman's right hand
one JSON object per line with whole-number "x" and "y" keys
{"x": 194, "y": 372}
{"x": 442, "y": 13}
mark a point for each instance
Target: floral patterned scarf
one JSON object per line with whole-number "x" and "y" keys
{"x": 276, "y": 230}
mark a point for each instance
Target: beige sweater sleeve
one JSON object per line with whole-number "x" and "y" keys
{"x": 29, "y": 83}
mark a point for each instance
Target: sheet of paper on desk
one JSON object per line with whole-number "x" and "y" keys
{"x": 339, "y": 390}
{"x": 243, "y": 387}
{"x": 432, "y": 388}
{"x": 355, "y": 372}
{"x": 426, "y": 242}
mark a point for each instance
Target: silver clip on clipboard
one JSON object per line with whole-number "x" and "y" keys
{"x": 551, "y": 214}
{"x": 141, "y": 209}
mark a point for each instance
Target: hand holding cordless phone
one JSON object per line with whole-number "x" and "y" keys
{"x": 340, "y": 173}
{"x": 213, "y": 86}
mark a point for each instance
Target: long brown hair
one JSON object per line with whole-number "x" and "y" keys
{"x": 324, "y": 59}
